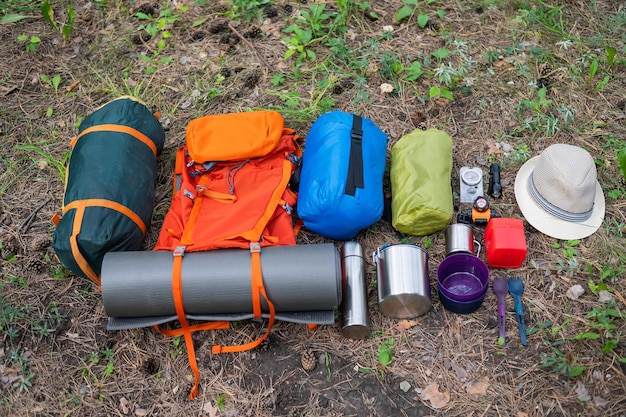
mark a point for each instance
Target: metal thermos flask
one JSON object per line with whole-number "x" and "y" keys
{"x": 356, "y": 323}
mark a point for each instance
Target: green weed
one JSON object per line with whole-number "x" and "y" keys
{"x": 47, "y": 159}
{"x": 177, "y": 350}
{"x": 67, "y": 27}
{"x": 248, "y": 10}
{"x": 33, "y": 42}
{"x": 220, "y": 400}
{"x": 94, "y": 359}
{"x": 605, "y": 322}
{"x": 561, "y": 363}
{"x": 159, "y": 26}
{"x": 547, "y": 16}
{"x": 52, "y": 82}
{"x": 410, "y": 8}
{"x": 385, "y": 354}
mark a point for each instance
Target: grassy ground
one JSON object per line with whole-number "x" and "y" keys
{"x": 504, "y": 78}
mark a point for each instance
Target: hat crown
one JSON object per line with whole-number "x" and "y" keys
{"x": 565, "y": 176}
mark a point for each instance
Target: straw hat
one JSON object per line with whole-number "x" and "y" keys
{"x": 559, "y": 194}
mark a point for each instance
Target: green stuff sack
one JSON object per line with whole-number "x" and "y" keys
{"x": 421, "y": 165}
{"x": 109, "y": 186}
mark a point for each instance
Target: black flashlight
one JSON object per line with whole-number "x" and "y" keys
{"x": 495, "y": 188}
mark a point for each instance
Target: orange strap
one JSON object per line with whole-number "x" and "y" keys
{"x": 211, "y": 325}
{"x": 177, "y": 292}
{"x": 258, "y": 290}
{"x": 80, "y": 206}
{"x": 121, "y": 129}
{"x": 217, "y": 196}
{"x": 113, "y": 205}
{"x": 78, "y": 257}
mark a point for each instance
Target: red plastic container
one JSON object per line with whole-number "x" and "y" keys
{"x": 505, "y": 243}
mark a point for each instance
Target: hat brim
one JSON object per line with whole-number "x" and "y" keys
{"x": 547, "y": 223}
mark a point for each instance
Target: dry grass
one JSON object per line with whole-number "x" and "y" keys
{"x": 70, "y": 363}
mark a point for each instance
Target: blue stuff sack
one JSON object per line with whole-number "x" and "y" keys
{"x": 341, "y": 182}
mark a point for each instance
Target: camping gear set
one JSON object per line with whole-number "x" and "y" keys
{"x": 245, "y": 163}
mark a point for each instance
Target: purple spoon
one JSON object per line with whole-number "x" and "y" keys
{"x": 500, "y": 289}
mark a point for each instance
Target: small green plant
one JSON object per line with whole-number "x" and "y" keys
{"x": 67, "y": 27}
{"x": 47, "y": 159}
{"x": 520, "y": 154}
{"x": 593, "y": 69}
{"x": 220, "y": 401}
{"x": 315, "y": 25}
{"x": 540, "y": 104}
{"x": 94, "y": 359}
{"x": 562, "y": 363}
{"x": 437, "y": 91}
{"x": 21, "y": 360}
{"x": 410, "y": 8}
{"x": 159, "y": 25}
{"x": 33, "y": 42}
{"x": 604, "y": 323}
{"x": 52, "y": 82}
{"x": 248, "y": 10}
{"x": 327, "y": 365}
{"x": 385, "y": 354}
{"x": 178, "y": 348}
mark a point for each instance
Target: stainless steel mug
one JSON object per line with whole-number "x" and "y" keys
{"x": 356, "y": 323}
{"x": 460, "y": 238}
{"x": 403, "y": 281}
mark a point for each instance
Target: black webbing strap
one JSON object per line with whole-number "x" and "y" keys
{"x": 355, "y": 164}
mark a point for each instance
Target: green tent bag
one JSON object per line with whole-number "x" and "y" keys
{"x": 109, "y": 186}
{"x": 421, "y": 165}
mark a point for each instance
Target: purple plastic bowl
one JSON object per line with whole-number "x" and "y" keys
{"x": 463, "y": 277}
{"x": 461, "y": 307}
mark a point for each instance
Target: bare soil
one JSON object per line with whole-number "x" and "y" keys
{"x": 56, "y": 356}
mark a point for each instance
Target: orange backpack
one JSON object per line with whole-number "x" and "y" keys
{"x": 231, "y": 190}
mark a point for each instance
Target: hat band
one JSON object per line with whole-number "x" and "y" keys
{"x": 557, "y": 212}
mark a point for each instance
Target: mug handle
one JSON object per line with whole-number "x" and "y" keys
{"x": 479, "y": 247}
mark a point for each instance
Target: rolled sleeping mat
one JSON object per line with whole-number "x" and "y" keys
{"x": 300, "y": 278}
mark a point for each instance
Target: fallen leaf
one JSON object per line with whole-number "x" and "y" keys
{"x": 210, "y": 409}
{"x": 437, "y": 399}
{"x": 141, "y": 412}
{"x": 72, "y": 86}
{"x": 407, "y": 324}
{"x": 386, "y": 88}
{"x": 493, "y": 148}
{"x": 124, "y": 405}
{"x": 582, "y": 392}
{"x": 600, "y": 402}
{"x": 459, "y": 371}
{"x": 477, "y": 387}
{"x": 6, "y": 90}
